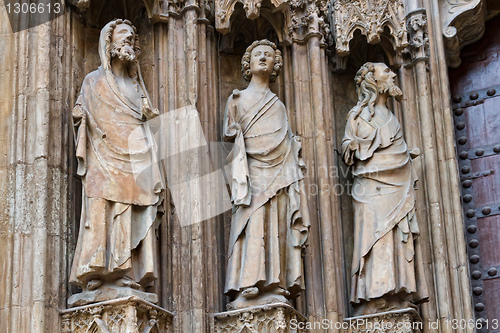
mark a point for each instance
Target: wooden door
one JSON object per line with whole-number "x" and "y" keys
{"x": 475, "y": 88}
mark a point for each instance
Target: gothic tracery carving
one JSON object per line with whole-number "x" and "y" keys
{"x": 370, "y": 17}
{"x": 224, "y": 9}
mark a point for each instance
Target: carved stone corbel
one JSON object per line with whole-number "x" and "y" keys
{"x": 126, "y": 315}
{"x": 462, "y": 24}
{"x": 270, "y": 318}
{"x": 371, "y": 18}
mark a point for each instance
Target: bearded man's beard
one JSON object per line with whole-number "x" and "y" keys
{"x": 123, "y": 51}
{"x": 392, "y": 89}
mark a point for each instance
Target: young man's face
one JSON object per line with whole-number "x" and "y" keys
{"x": 262, "y": 60}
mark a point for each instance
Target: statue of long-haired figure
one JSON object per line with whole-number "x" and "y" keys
{"x": 385, "y": 272}
{"x": 115, "y": 254}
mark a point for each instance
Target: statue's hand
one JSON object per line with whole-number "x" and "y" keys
{"x": 77, "y": 114}
{"x": 415, "y": 152}
{"x": 149, "y": 113}
{"x": 232, "y": 130}
{"x": 353, "y": 145}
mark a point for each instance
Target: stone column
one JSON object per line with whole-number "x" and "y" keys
{"x": 35, "y": 169}
{"x": 447, "y": 259}
{"x": 187, "y": 75}
{"x": 310, "y": 102}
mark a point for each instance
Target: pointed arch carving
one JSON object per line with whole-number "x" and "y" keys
{"x": 370, "y": 18}
{"x": 224, "y": 9}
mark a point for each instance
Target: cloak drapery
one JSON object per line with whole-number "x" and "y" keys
{"x": 385, "y": 224}
{"x": 117, "y": 160}
{"x": 270, "y": 220}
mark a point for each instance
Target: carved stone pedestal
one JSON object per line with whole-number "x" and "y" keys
{"x": 397, "y": 321}
{"x": 124, "y": 315}
{"x": 270, "y": 318}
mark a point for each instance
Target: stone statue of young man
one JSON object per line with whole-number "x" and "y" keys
{"x": 115, "y": 254}
{"x": 384, "y": 271}
{"x": 270, "y": 220}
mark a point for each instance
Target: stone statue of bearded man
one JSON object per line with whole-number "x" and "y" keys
{"x": 115, "y": 254}
{"x": 270, "y": 220}
{"x": 384, "y": 270}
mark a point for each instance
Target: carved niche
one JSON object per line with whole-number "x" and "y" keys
{"x": 371, "y": 18}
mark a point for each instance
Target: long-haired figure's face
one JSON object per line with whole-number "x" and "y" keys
{"x": 384, "y": 75}
{"x": 262, "y": 60}
{"x": 123, "y": 40}
{"x": 385, "y": 81}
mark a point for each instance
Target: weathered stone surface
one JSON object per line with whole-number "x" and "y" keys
{"x": 123, "y": 315}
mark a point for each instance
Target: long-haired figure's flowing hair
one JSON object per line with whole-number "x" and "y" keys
{"x": 366, "y": 87}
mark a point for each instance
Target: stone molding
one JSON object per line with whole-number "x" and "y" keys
{"x": 270, "y": 318}
{"x": 124, "y": 315}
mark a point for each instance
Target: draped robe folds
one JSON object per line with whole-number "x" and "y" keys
{"x": 270, "y": 220}
{"x": 385, "y": 224}
{"x": 121, "y": 183}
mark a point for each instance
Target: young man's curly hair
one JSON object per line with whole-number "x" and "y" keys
{"x": 245, "y": 61}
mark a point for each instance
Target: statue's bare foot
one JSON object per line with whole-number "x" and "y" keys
{"x": 250, "y": 293}
{"x": 94, "y": 284}
{"x": 281, "y": 291}
{"x": 127, "y": 282}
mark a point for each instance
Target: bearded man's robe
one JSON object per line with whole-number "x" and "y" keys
{"x": 385, "y": 224}
{"x": 121, "y": 180}
{"x": 270, "y": 220}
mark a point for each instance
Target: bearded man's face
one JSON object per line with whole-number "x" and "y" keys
{"x": 123, "y": 40}
{"x": 385, "y": 81}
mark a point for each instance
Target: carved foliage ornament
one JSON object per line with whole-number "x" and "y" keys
{"x": 417, "y": 29}
{"x": 370, "y": 17}
{"x": 308, "y": 17}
